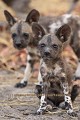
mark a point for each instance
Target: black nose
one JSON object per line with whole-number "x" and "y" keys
{"x": 47, "y": 53}
{"x": 18, "y": 44}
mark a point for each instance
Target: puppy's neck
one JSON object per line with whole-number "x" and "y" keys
{"x": 51, "y": 63}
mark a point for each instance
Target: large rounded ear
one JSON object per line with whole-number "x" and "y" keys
{"x": 63, "y": 33}
{"x": 11, "y": 20}
{"x": 38, "y": 30}
{"x": 33, "y": 16}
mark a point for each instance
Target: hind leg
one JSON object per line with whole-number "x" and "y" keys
{"x": 75, "y": 92}
{"x": 62, "y": 105}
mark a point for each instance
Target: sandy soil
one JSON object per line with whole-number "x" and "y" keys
{"x": 21, "y": 104}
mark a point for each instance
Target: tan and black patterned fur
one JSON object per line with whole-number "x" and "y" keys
{"x": 23, "y": 36}
{"x": 55, "y": 71}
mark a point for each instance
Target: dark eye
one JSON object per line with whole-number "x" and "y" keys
{"x": 55, "y": 46}
{"x": 42, "y": 45}
{"x": 26, "y": 35}
{"x": 14, "y": 35}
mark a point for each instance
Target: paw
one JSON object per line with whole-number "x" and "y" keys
{"x": 40, "y": 111}
{"x": 21, "y": 85}
{"x": 73, "y": 114}
{"x": 62, "y": 105}
{"x": 43, "y": 110}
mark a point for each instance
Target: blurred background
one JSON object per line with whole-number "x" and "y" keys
{"x": 10, "y": 58}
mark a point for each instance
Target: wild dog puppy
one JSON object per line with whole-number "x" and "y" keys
{"x": 23, "y": 37}
{"x": 56, "y": 73}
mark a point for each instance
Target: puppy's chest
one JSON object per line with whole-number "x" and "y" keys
{"x": 55, "y": 70}
{"x": 53, "y": 73}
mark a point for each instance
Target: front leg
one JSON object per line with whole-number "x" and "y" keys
{"x": 43, "y": 102}
{"x": 27, "y": 73}
{"x": 45, "y": 84}
{"x": 67, "y": 98}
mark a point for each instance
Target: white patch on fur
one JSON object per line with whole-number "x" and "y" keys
{"x": 63, "y": 74}
{"x": 68, "y": 100}
{"x": 65, "y": 88}
{"x": 57, "y": 69}
{"x": 66, "y": 18}
{"x": 42, "y": 108}
{"x": 70, "y": 110}
{"x": 27, "y": 74}
{"x": 43, "y": 64}
{"x": 43, "y": 99}
{"x": 54, "y": 26}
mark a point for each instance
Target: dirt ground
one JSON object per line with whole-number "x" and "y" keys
{"x": 21, "y": 104}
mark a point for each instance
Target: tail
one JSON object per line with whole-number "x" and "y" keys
{"x": 72, "y": 6}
